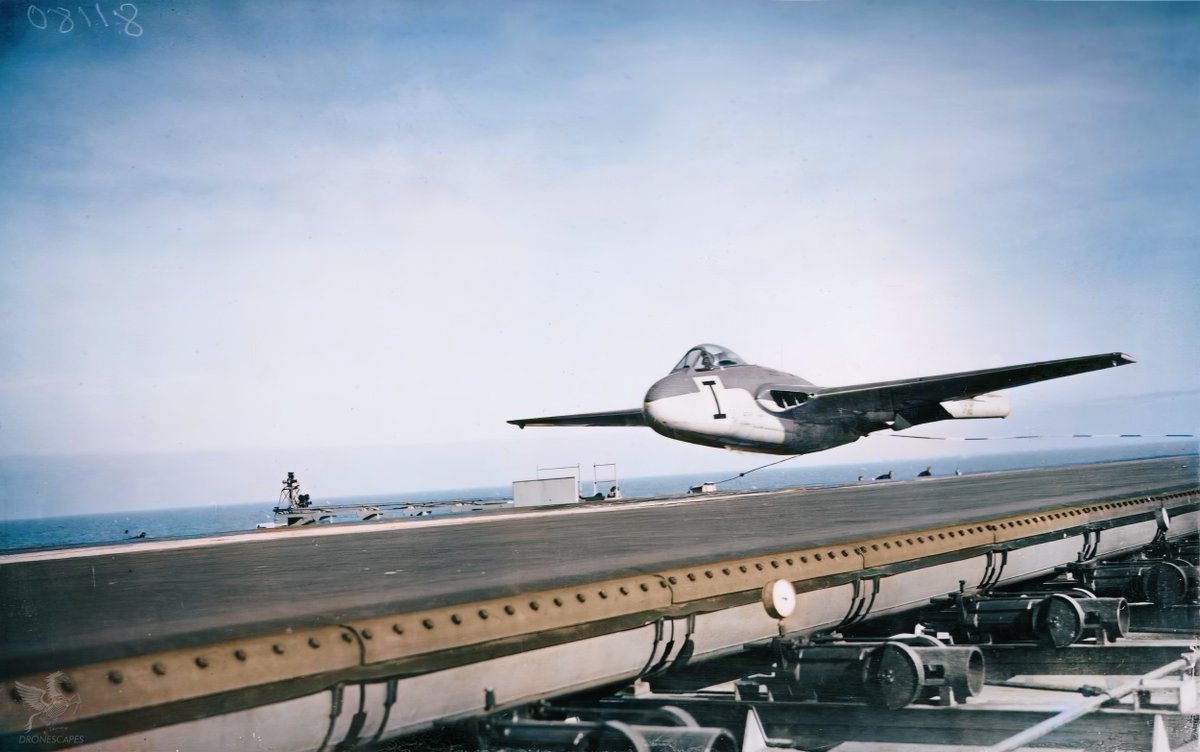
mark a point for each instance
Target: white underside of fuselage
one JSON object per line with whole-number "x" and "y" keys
{"x": 716, "y": 416}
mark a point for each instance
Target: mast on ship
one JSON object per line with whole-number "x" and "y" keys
{"x": 290, "y": 496}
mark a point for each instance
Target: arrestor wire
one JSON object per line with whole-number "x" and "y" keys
{"x": 760, "y": 467}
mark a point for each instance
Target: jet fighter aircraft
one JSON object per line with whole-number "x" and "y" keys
{"x": 714, "y": 398}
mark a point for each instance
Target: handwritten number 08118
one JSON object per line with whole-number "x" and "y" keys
{"x": 125, "y": 14}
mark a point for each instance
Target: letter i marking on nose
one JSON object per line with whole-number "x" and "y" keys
{"x": 718, "y": 415}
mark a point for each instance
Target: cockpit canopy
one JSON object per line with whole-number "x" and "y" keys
{"x": 707, "y": 357}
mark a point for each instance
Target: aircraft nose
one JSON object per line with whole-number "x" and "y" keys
{"x": 665, "y": 407}
{"x": 668, "y": 411}
{"x": 659, "y": 413}
{"x": 671, "y": 386}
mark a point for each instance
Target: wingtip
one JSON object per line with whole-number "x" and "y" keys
{"x": 517, "y": 423}
{"x": 1121, "y": 359}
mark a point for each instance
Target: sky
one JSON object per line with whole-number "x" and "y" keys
{"x": 242, "y": 238}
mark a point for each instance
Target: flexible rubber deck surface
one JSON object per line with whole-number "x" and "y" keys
{"x": 70, "y": 608}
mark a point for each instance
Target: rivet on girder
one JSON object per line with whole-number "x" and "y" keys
{"x": 624, "y": 590}
{"x": 558, "y": 601}
{"x": 201, "y": 661}
{"x": 580, "y": 597}
{"x": 603, "y": 594}
{"x": 398, "y": 629}
{"x": 534, "y": 605}
{"x": 456, "y": 618}
{"x": 115, "y": 676}
{"x": 277, "y": 649}
{"x": 645, "y": 588}
{"x": 510, "y": 610}
{"x": 427, "y": 623}
{"x": 483, "y": 614}
{"x": 367, "y": 633}
{"x": 314, "y": 643}
{"x": 15, "y": 695}
{"x": 159, "y": 669}
{"x": 240, "y": 654}
{"x": 66, "y": 684}
{"x": 346, "y": 637}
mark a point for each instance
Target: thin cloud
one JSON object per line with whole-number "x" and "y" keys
{"x": 412, "y": 228}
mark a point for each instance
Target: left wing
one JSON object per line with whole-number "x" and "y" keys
{"x": 915, "y": 393}
{"x": 632, "y": 417}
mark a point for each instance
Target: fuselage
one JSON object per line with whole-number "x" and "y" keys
{"x": 720, "y": 402}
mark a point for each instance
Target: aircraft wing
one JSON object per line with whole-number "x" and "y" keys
{"x": 632, "y": 417}
{"x": 912, "y": 393}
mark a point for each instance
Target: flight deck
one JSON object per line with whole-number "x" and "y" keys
{"x": 419, "y": 598}
{"x": 93, "y": 607}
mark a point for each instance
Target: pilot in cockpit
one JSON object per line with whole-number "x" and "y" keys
{"x": 706, "y": 358}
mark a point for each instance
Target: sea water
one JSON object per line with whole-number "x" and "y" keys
{"x": 165, "y": 524}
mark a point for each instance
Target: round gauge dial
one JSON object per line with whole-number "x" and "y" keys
{"x": 779, "y": 599}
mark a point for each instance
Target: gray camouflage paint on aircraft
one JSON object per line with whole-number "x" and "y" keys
{"x": 714, "y": 398}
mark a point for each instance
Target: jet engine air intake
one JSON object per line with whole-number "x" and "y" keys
{"x": 785, "y": 399}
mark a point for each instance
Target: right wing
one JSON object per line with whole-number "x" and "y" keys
{"x": 632, "y": 417}
{"x": 927, "y": 391}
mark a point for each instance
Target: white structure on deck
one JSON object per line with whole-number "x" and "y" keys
{"x": 546, "y": 491}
